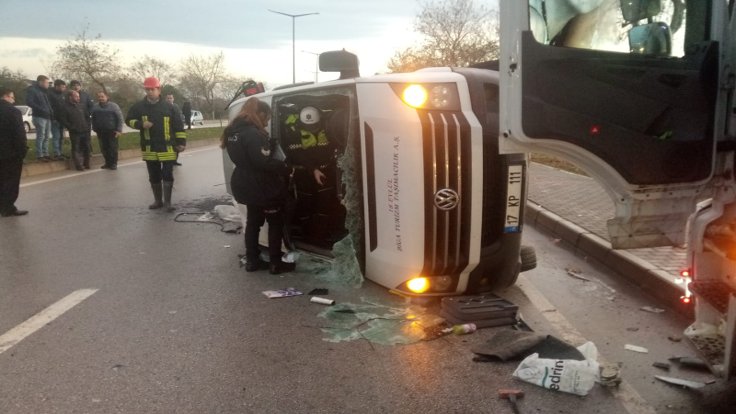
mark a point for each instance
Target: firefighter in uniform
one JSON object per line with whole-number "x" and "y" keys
{"x": 310, "y": 148}
{"x": 162, "y": 137}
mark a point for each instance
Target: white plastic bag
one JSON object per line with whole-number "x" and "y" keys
{"x": 566, "y": 375}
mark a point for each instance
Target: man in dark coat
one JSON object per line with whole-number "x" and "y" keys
{"x": 186, "y": 110}
{"x": 13, "y": 148}
{"x": 56, "y": 99}
{"x": 38, "y": 99}
{"x": 107, "y": 122}
{"x": 75, "y": 118}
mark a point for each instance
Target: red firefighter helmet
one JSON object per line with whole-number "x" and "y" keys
{"x": 151, "y": 82}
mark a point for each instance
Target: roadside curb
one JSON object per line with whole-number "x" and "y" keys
{"x": 39, "y": 168}
{"x": 648, "y": 277}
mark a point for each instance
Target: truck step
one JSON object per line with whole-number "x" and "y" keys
{"x": 714, "y": 292}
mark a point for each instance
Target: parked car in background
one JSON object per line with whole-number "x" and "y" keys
{"x": 27, "y": 113}
{"x": 197, "y": 118}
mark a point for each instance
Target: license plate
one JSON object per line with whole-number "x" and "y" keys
{"x": 514, "y": 181}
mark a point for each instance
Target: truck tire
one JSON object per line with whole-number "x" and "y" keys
{"x": 528, "y": 258}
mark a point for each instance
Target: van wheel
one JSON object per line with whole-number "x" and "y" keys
{"x": 528, "y": 258}
{"x": 27, "y": 126}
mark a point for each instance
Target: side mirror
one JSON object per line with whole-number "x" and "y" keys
{"x": 340, "y": 61}
{"x": 651, "y": 39}
{"x": 635, "y": 10}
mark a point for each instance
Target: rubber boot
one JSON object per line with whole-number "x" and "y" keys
{"x": 168, "y": 186}
{"x": 158, "y": 202}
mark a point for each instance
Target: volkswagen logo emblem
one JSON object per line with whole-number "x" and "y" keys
{"x": 446, "y": 199}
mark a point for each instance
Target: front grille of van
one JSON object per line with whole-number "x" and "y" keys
{"x": 447, "y": 166}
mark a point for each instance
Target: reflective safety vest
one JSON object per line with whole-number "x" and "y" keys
{"x": 157, "y": 142}
{"x": 308, "y": 139}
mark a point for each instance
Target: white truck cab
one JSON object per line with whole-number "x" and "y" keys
{"x": 415, "y": 176}
{"x": 640, "y": 94}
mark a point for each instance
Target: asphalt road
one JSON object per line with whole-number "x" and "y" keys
{"x": 172, "y": 324}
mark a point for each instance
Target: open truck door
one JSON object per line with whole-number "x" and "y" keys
{"x": 632, "y": 91}
{"x": 640, "y": 94}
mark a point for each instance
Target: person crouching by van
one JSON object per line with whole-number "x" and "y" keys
{"x": 258, "y": 182}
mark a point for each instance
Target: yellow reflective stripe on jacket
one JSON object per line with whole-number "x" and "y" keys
{"x": 167, "y": 129}
{"x": 132, "y": 123}
{"x": 181, "y": 134}
{"x": 310, "y": 140}
{"x": 146, "y": 131}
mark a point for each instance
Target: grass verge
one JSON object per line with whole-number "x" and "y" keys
{"x": 128, "y": 140}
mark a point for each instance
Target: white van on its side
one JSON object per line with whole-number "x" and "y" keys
{"x": 438, "y": 210}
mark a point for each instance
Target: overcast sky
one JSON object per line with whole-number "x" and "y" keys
{"x": 256, "y": 42}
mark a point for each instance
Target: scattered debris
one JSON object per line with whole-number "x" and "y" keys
{"x": 322, "y": 301}
{"x": 463, "y": 329}
{"x": 227, "y": 246}
{"x": 514, "y": 344}
{"x": 376, "y": 323}
{"x": 690, "y": 362}
{"x": 576, "y": 274}
{"x": 281, "y": 293}
{"x": 512, "y": 395}
{"x": 319, "y": 291}
{"x": 482, "y": 310}
{"x": 575, "y": 377}
{"x": 610, "y": 375}
{"x": 681, "y": 382}
{"x": 651, "y": 309}
{"x": 662, "y": 365}
{"x": 674, "y": 338}
{"x": 636, "y": 348}
{"x": 632, "y": 329}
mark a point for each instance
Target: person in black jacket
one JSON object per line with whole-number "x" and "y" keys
{"x": 13, "y": 148}
{"x": 258, "y": 181}
{"x": 75, "y": 118}
{"x": 56, "y": 99}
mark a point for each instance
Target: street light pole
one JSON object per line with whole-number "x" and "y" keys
{"x": 293, "y": 39}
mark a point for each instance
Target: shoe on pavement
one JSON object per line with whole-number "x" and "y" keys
{"x": 281, "y": 267}
{"x": 112, "y": 167}
{"x": 255, "y": 265}
{"x": 15, "y": 213}
{"x": 104, "y": 167}
{"x": 177, "y": 163}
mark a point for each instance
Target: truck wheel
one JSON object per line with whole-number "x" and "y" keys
{"x": 528, "y": 258}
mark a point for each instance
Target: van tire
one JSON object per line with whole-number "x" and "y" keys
{"x": 528, "y": 257}
{"x": 27, "y": 127}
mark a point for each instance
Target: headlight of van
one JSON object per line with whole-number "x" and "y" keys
{"x": 439, "y": 96}
{"x": 428, "y": 284}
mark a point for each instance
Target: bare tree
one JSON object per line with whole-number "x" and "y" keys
{"x": 87, "y": 59}
{"x": 151, "y": 66}
{"x": 456, "y": 33}
{"x": 201, "y": 76}
{"x": 15, "y": 81}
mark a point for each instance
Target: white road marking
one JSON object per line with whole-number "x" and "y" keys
{"x": 41, "y": 319}
{"x": 99, "y": 170}
{"x": 630, "y": 399}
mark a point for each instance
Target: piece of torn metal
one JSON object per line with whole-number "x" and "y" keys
{"x": 681, "y": 382}
{"x": 636, "y": 348}
{"x": 651, "y": 309}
